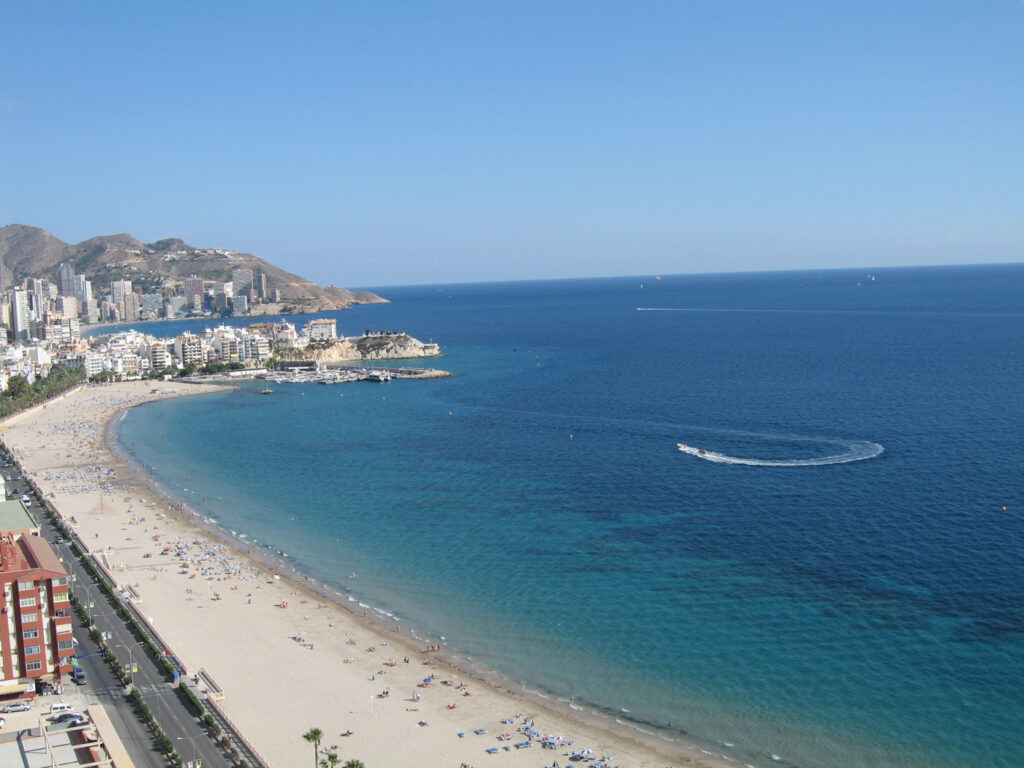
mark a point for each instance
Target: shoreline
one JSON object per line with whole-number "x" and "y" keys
{"x": 645, "y": 747}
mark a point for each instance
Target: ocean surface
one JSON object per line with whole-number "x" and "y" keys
{"x": 833, "y": 582}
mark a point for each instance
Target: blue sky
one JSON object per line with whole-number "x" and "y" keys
{"x": 382, "y": 143}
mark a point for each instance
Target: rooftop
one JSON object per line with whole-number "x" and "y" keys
{"x": 14, "y": 518}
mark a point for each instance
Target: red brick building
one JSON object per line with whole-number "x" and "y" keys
{"x": 35, "y": 614}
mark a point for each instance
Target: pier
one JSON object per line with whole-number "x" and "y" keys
{"x": 323, "y": 375}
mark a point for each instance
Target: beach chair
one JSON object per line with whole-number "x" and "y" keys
{"x": 491, "y": 750}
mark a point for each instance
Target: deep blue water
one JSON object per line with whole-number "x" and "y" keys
{"x": 536, "y": 512}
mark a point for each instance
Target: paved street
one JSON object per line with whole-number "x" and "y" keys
{"x": 168, "y": 705}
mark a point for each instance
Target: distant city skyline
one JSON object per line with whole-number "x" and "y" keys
{"x": 395, "y": 143}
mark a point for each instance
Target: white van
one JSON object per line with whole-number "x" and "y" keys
{"x": 60, "y": 708}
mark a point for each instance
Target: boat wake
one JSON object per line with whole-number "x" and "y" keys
{"x": 855, "y": 450}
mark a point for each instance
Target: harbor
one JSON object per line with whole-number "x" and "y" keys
{"x": 315, "y": 373}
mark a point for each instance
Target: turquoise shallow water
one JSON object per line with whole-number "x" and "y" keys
{"x": 536, "y": 512}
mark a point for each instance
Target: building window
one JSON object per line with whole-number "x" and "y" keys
{"x": 58, "y": 582}
{"x": 61, "y": 598}
{"x": 28, "y": 634}
{"x": 63, "y": 629}
{"x": 63, "y": 645}
{"x": 31, "y": 649}
{"x": 33, "y": 665}
{"x": 26, "y": 586}
{"x": 25, "y": 602}
{"x": 28, "y": 618}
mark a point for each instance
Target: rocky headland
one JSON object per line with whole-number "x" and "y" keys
{"x": 381, "y": 345}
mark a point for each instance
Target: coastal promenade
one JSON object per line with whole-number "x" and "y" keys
{"x": 283, "y": 653}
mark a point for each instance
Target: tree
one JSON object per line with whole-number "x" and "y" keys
{"x": 354, "y": 764}
{"x": 331, "y": 760}
{"x": 314, "y": 736}
{"x": 17, "y": 386}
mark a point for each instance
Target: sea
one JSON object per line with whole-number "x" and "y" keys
{"x": 828, "y": 573}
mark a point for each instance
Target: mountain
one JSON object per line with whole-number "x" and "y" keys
{"x": 33, "y": 252}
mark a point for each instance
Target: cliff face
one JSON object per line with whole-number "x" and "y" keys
{"x": 399, "y": 346}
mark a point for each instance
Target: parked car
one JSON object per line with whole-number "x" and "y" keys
{"x": 16, "y": 706}
{"x": 70, "y": 718}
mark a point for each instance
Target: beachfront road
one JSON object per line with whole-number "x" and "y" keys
{"x": 169, "y": 708}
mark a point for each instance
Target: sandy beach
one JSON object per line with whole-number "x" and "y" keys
{"x": 286, "y": 657}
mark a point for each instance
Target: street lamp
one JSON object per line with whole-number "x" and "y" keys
{"x": 193, "y": 740}
{"x": 88, "y": 593}
{"x": 131, "y": 664}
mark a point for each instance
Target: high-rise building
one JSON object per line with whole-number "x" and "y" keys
{"x": 150, "y": 305}
{"x": 90, "y": 311}
{"x": 175, "y": 305}
{"x": 195, "y": 287}
{"x": 261, "y": 287}
{"x": 242, "y": 280}
{"x": 131, "y": 307}
{"x": 82, "y": 289}
{"x": 66, "y": 279}
{"x": 21, "y": 319}
{"x": 35, "y": 612}
{"x": 67, "y": 305}
{"x": 119, "y": 289}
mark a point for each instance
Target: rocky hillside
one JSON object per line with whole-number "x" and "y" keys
{"x": 396, "y": 346}
{"x": 33, "y": 252}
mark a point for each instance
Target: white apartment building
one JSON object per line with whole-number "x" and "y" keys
{"x": 321, "y": 329}
{"x": 159, "y": 357}
{"x": 188, "y": 349}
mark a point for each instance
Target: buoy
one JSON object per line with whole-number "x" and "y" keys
{"x": 1004, "y": 509}
{"x": 570, "y": 437}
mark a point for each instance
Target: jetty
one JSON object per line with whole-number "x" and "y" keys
{"x": 323, "y": 375}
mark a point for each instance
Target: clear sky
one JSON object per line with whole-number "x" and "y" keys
{"x": 382, "y": 143}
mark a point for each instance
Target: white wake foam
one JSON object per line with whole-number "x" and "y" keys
{"x": 855, "y": 450}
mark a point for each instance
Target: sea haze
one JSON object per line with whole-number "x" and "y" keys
{"x": 536, "y": 512}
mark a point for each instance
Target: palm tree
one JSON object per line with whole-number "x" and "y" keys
{"x": 354, "y": 764}
{"x": 313, "y": 736}
{"x": 330, "y": 761}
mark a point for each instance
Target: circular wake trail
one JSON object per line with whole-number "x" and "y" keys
{"x": 856, "y": 450}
